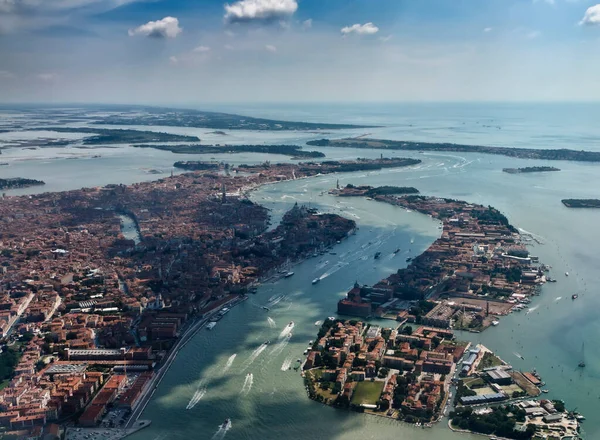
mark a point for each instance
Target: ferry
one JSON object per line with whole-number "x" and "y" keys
{"x": 316, "y": 280}
{"x": 289, "y": 274}
{"x": 211, "y": 325}
{"x": 574, "y": 296}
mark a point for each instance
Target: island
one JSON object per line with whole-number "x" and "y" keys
{"x": 522, "y": 153}
{"x": 117, "y": 136}
{"x": 479, "y": 265}
{"x": 103, "y": 300}
{"x": 408, "y": 374}
{"x": 529, "y": 170}
{"x": 19, "y": 182}
{"x": 369, "y": 191}
{"x": 581, "y": 203}
{"x": 295, "y": 151}
{"x": 171, "y": 117}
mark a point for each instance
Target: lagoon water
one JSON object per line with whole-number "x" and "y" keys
{"x": 273, "y": 402}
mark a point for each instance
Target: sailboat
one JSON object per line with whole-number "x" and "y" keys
{"x": 582, "y": 363}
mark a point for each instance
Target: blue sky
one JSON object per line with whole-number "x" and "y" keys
{"x": 210, "y": 51}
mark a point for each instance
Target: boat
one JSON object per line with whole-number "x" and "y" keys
{"x": 267, "y": 342}
{"x": 551, "y": 280}
{"x": 408, "y": 259}
{"x": 582, "y": 363}
{"x": 310, "y": 342}
{"x": 566, "y": 274}
{"x": 317, "y": 323}
{"x": 226, "y": 424}
{"x": 316, "y": 280}
{"x": 332, "y": 253}
{"x": 289, "y": 274}
{"x": 495, "y": 323}
{"x": 266, "y": 308}
{"x": 305, "y": 352}
{"x": 377, "y": 255}
{"x": 396, "y": 251}
{"x": 574, "y": 296}
{"x": 211, "y": 325}
{"x": 3, "y": 163}
{"x": 545, "y": 391}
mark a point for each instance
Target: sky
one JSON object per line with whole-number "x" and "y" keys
{"x": 191, "y": 52}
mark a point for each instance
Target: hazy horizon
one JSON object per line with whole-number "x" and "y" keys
{"x": 270, "y": 51}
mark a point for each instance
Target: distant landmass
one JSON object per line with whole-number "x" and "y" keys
{"x": 581, "y": 203}
{"x": 19, "y": 182}
{"x": 370, "y": 191}
{"x": 522, "y": 153}
{"x": 155, "y": 116}
{"x": 121, "y": 136}
{"x": 294, "y": 151}
{"x": 529, "y": 170}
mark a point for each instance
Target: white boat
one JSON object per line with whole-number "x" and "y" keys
{"x": 317, "y": 323}
{"x": 566, "y": 274}
{"x": 289, "y": 274}
{"x": 211, "y": 325}
{"x": 316, "y": 280}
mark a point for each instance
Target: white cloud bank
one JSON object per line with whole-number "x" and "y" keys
{"x": 168, "y": 27}
{"x": 591, "y": 16}
{"x": 259, "y": 10}
{"x": 360, "y": 29}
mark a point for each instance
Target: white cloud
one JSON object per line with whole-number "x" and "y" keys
{"x": 271, "y": 48}
{"x": 5, "y": 74}
{"x": 47, "y": 77}
{"x": 591, "y": 16}
{"x": 487, "y": 29}
{"x": 201, "y": 49}
{"x": 168, "y": 27}
{"x": 259, "y": 10}
{"x": 7, "y": 5}
{"x": 307, "y": 24}
{"x": 360, "y": 29}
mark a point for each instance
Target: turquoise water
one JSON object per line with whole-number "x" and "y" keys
{"x": 276, "y": 405}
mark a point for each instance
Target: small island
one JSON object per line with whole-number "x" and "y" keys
{"x": 529, "y": 170}
{"x": 369, "y": 191}
{"x": 118, "y": 136}
{"x": 192, "y": 165}
{"x": 522, "y": 153}
{"x": 581, "y": 203}
{"x": 295, "y": 151}
{"x": 19, "y": 182}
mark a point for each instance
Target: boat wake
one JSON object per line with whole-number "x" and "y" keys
{"x": 198, "y": 395}
{"x": 271, "y": 322}
{"x": 220, "y": 434}
{"x": 280, "y": 346}
{"x": 333, "y": 270}
{"x": 518, "y": 355}
{"x": 287, "y": 363}
{"x": 286, "y": 330}
{"x": 533, "y": 309}
{"x": 229, "y": 363}
{"x": 247, "y": 384}
{"x": 255, "y": 354}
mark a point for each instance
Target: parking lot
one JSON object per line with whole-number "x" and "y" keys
{"x": 95, "y": 434}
